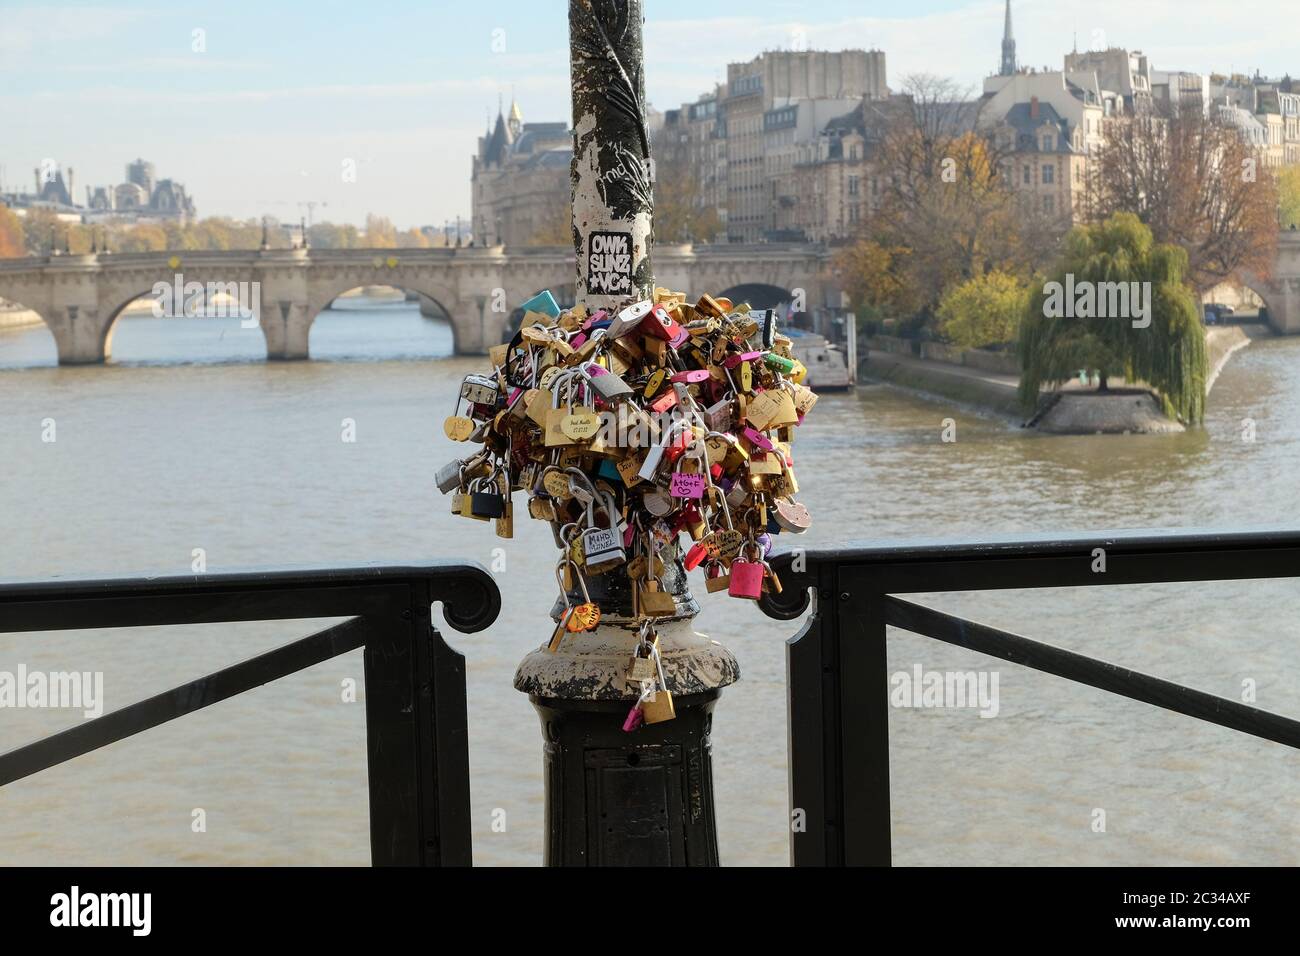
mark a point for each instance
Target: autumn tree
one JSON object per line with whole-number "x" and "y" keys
{"x": 380, "y": 232}
{"x": 1196, "y": 183}
{"x": 413, "y": 239}
{"x": 983, "y": 310}
{"x": 872, "y": 275}
{"x": 1164, "y": 347}
{"x": 12, "y": 240}
{"x": 144, "y": 237}
{"x": 943, "y": 206}
{"x": 327, "y": 235}
{"x": 44, "y": 231}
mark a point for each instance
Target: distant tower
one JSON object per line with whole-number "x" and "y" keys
{"x": 516, "y": 121}
{"x": 1008, "y": 47}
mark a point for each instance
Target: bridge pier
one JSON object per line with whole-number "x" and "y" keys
{"x": 476, "y": 327}
{"x": 78, "y": 336}
{"x": 287, "y": 327}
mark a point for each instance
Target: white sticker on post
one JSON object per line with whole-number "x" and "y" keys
{"x": 609, "y": 263}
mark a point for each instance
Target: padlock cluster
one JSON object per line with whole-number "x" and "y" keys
{"x": 632, "y": 431}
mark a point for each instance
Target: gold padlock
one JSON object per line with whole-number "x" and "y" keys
{"x": 642, "y": 670}
{"x": 718, "y": 583}
{"x": 656, "y": 602}
{"x": 659, "y": 707}
{"x": 505, "y": 525}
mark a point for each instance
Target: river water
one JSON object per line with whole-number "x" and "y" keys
{"x": 190, "y": 441}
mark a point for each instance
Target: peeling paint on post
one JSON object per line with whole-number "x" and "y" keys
{"x": 613, "y": 201}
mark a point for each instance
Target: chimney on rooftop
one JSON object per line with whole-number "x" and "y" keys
{"x": 1033, "y": 107}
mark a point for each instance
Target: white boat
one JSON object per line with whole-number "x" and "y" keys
{"x": 827, "y": 369}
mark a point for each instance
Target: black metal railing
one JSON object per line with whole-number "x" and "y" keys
{"x": 839, "y": 739}
{"x": 416, "y": 738}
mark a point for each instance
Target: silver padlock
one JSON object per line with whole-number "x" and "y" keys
{"x": 603, "y": 547}
{"x": 450, "y": 477}
{"x": 655, "y": 456}
{"x": 721, "y": 415}
{"x": 629, "y": 319}
{"x": 479, "y": 389}
{"x": 607, "y": 385}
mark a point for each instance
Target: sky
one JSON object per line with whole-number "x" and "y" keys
{"x": 257, "y": 105}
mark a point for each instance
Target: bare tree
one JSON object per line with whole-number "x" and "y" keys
{"x": 1196, "y": 182}
{"x": 680, "y": 216}
{"x": 944, "y": 203}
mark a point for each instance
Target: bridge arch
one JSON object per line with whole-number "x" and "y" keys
{"x": 324, "y": 292}
{"x": 117, "y": 299}
{"x": 759, "y": 295}
{"x": 27, "y": 336}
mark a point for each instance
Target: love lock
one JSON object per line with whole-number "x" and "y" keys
{"x": 603, "y": 547}
{"x": 486, "y": 505}
{"x": 792, "y": 516}
{"x": 687, "y": 485}
{"x": 574, "y": 619}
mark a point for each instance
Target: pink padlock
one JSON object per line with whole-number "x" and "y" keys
{"x": 687, "y": 486}
{"x": 746, "y": 579}
{"x": 634, "y": 718}
{"x": 691, "y": 377}
{"x": 684, "y": 485}
{"x": 758, "y": 440}
{"x": 731, "y": 361}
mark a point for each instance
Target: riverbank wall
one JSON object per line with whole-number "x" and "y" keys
{"x": 892, "y": 362}
{"x": 988, "y": 382}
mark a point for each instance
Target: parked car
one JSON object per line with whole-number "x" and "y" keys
{"x": 1216, "y": 312}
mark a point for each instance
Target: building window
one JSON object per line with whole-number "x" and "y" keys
{"x": 853, "y": 185}
{"x": 1049, "y": 143}
{"x": 1049, "y": 175}
{"x": 1029, "y": 175}
{"x": 1049, "y": 204}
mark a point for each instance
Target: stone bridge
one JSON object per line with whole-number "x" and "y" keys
{"x": 81, "y": 297}
{"x": 1281, "y": 290}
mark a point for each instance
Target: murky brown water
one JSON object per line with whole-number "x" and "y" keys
{"x": 246, "y": 462}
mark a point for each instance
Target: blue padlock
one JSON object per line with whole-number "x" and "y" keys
{"x": 544, "y": 303}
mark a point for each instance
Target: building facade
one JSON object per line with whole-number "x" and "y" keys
{"x": 520, "y": 182}
{"x": 772, "y": 82}
{"x": 693, "y": 139}
{"x": 141, "y": 197}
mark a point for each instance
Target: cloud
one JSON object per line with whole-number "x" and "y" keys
{"x": 24, "y": 28}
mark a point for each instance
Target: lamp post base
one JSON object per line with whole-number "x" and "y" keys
{"x": 639, "y": 798}
{"x": 628, "y": 799}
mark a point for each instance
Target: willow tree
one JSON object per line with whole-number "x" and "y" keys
{"x": 1158, "y": 338}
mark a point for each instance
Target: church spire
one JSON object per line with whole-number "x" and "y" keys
{"x": 1008, "y": 47}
